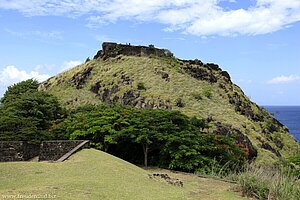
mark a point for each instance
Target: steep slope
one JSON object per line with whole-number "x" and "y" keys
{"x": 146, "y": 77}
{"x": 92, "y": 174}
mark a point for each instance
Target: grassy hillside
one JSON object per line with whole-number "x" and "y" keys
{"x": 92, "y": 174}
{"x": 194, "y": 88}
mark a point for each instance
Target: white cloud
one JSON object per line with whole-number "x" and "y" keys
{"x": 53, "y": 35}
{"x": 284, "y": 79}
{"x": 69, "y": 64}
{"x": 202, "y": 18}
{"x": 11, "y": 75}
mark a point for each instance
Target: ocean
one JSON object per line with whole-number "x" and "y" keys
{"x": 288, "y": 116}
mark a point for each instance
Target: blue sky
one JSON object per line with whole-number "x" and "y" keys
{"x": 256, "y": 41}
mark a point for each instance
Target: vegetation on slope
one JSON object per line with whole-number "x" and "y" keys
{"x": 194, "y": 88}
{"x": 165, "y": 138}
{"x": 168, "y": 139}
{"x": 92, "y": 174}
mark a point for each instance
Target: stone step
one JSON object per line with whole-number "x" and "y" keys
{"x": 67, "y": 155}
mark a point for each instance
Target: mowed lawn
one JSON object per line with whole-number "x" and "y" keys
{"x": 92, "y": 174}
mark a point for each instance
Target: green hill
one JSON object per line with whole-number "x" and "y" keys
{"x": 92, "y": 174}
{"x": 146, "y": 77}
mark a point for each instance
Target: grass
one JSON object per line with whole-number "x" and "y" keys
{"x": 273, "y": 182}
{"x": 202, "y": 188}
{"x": 201, "y": 98}
{"x": 92, "y": 174}
{"x": 269, "y": 183}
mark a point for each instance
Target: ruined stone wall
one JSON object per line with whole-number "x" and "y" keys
{"x": 47, "y": 151}
{"x": 110, "y": 49}
{"x": 17, "y": 151}
{"x": 53, "y": 150}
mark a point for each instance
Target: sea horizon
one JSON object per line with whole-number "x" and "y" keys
{"x": 280, "y": 105}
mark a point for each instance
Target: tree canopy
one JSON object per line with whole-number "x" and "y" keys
{"x": 168, "y": 139}
{"x": 28, "y": 114}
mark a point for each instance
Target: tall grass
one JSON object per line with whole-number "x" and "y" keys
{"x": 269, "y": 183}
{"x": 261, "y": 182}
{"x": 226, "y": 172}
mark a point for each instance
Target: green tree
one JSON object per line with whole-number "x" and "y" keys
{"x": 15, "y": 91}
{"x": 100, "y": 124}
{"x": 165, "y": 138}
{"x": 28, "y": 114}
{"x": 96, "y": 126}
{"x": 147, "y": 128}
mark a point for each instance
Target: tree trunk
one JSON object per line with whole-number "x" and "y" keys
{"x": 105, "y": 147}
{"x": 145, "y": 149}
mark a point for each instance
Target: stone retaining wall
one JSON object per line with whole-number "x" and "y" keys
{"x": 17, "y": 151}
{"x": 47, "y": 151}
{"x": 53, "y": 150}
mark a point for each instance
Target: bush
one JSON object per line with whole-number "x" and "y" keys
{"x": 294, "y": 162}
{"x": 207, "y": 92}
{"x": 180, "y": 103}
{"x": 168, "y": 53}
{"x": 203, "y": 152}
{"x": 295, "y": 159}
{"x": 141, "y": 86}
{"x": 151, "y": 46}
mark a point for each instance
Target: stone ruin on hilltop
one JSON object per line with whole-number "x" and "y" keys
{"x": 110, "y": 49}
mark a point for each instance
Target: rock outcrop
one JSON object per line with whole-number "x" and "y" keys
{"x": 168, "y": 179}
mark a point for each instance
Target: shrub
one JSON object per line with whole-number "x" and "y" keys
{"x": 168, "y": 53}
{"x": 295, "y": 159}
{"x": 204, "y": 153}
{"x": 151, "y": 46}
{"x": 207, "y": 92}
{"x": 294, "y": 162}
{"x": 180, "y": 103}
{"x": 141, "y": 86}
